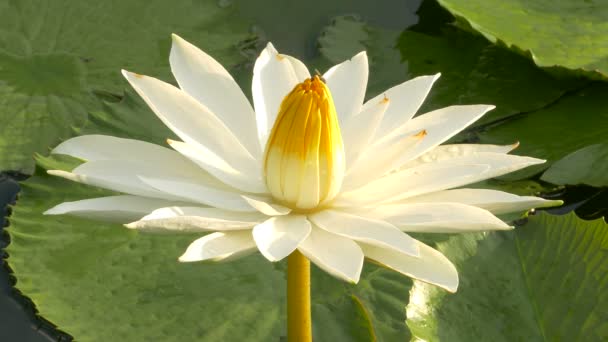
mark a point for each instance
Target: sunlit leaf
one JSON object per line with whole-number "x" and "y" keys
{"x": 545, "y": 281}
{"x": 571, "y": 34}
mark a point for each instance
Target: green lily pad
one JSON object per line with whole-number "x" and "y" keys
{"x": 473, "y": 70}
{"x": 55, "y": 56}
{"x": 568, "y": 34}
{"x": 545, "y": 281}
{"x": 349, "y": 35}
{"x": 551, "y": 133}
{"x": 589, "y": 165}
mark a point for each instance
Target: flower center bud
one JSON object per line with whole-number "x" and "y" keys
{"x": 304, "y": 159}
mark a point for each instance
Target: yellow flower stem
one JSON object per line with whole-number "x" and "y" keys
{"x": 299, "y": 326}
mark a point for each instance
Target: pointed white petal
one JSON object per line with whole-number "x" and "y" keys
{"x": 120, "y": 209}
{"x": 278, "y": 236}
{"x": 195, "y": 219}
{"x": 104, "y": 147}
{"x": 336, "y": 255}
{"x": 412, "y": 182}
{"x": 499, "y": 164}
{"x": 347, "y": 82}
{"x": 431, "y": 267}
{"x": 265, "y": 206}
{"x": 439, "y": 217}
{"x": 220, "y": 246}
{"x": 191, "y": 121}
{"x": 375, "y": 232}
{"x": 358, "y": 131}
{"x": 458, "y": 150}
{"x": 273, "y": 78}
{"x": 201, "y": 76}
{"x": 406, "y": 98}
{"x": 121, "y": 176}
{"x": 497, "y": 202}
{"x": 216, "y": 166}
{"x": 198, "y": 193}
{"x": 299, "y": 68}
{"x": 441, "y": 175}
{"x": 440, "y": 125}
{"x": 377, "y": 162}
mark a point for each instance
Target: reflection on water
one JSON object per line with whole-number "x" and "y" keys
{"x": 293, "y": 26}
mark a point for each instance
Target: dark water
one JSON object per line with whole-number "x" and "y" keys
{"x": 17, "y": 319}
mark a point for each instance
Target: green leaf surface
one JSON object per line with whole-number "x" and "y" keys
{"x": 476, "y": 72}
{"x": 473, "y": 70}
{"x": 571, "y": 34}
{"x": 589, "y": 165}
{"x": 102, "y": 282}
{"x": 56, "y": 56}
{"x": 349, "y": 35}
{"x": 553, "y": 132}
{"x": 545, "y": 281}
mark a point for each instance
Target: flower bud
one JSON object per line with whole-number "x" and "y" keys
{"x": 304, "y": 157}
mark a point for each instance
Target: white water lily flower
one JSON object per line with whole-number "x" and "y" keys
{"x": 310, "y": 166}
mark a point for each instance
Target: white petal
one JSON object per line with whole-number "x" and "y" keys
{"x": 499, "y": 163}
{"x": 265, "y": 206}
{"x": 273, "y": 78}
{"x": 431, "y": 267}
{"x": 406, "y": 98}
{"x": 347, "y": 82}
{"x": 278, "y": 236}
{"x": 191, "y": 121}
{"x": 198, "y": 193}
{"x": 216, "y": 166}
{"x": 375, "y": 232}
{"x": 497, "y": 202}
{"x": 440, "y": 125}
{"x": 104, "y": 147}
{"x": 201, "y": 76}
{"x": 124, "y": 176}
{"x": 441, "y": 175}
{"x": 458, "y": 150}
{"x": 121, "y": 209}
{"x": 439, "y": 217}
{"x": 220, "y": 246}
{"x": 358, "y": 131}
{"x": 412, "y": 182}
{"x": 336, "y": 255}
{"x": 377, "y": 162}
{"x": 299, "y": 68}
{"x": 195, "y": 219}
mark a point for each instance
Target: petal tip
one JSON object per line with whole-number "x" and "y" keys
{"x": 270, "y": 48}
{"x": 175, "y": 38}
{"x": 56, "y": 172}
{"x": 187, "y": 258}
{"x": 451, "y": 288}
{"x": 183, "y": 259}
{"x": 52, "y": 211}
{"x": 132, "y": 225}
{"x": 362, "y": 54}
{"x": 129, "y": 75}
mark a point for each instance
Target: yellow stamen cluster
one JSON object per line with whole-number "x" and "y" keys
{"x": 304, "y": 158}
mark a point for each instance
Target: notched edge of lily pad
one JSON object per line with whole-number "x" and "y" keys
{"x": 39, "y": 324}
{"x": 465, "y": 24}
